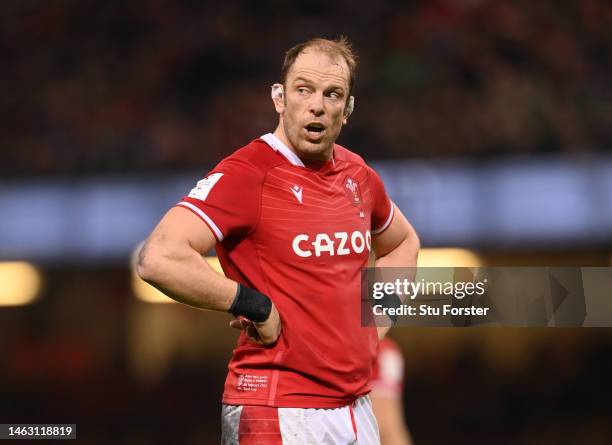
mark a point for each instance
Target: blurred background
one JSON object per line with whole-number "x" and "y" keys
{"x": 489, "y": 121}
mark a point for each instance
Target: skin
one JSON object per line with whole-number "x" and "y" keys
{"x": 171, "y": 258}
{"x": 398, "y": 246}
{"x": 316, "y": 91}
{"x": 390, "y": 418}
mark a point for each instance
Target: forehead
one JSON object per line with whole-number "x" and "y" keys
{"x": 319, "y": 66}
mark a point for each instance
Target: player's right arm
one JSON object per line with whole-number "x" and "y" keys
{"x": 171, "y": 260}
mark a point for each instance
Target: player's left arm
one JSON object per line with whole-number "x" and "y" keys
{"x": 397, "y": 246}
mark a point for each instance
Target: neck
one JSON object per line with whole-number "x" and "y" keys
{"x": 305, "y": 157}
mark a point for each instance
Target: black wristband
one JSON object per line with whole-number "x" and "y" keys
{"x": 251, "y": 304}
{"x": 391, "y": 301}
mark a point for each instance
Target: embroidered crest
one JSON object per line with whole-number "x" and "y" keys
{"x": 351, "y": 188}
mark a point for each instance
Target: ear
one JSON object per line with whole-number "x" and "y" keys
{"x": 277, "y": 94}
{"x": 350, "y": 106}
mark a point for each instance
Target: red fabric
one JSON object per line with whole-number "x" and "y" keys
{"x": 259, "y": 425}
{"x": 307, "y": 257}
{"x": 353, "y": 420}
{"x": 388, "y": 373}
{"x": 381, "y": 212}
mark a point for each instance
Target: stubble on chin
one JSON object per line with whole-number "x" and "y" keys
{"x": 315, "y": 151}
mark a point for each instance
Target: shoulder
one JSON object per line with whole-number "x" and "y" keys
{"x": 373, "y": 180}
{"x": 253, "y": 160}
{"x": 344, "y": 154}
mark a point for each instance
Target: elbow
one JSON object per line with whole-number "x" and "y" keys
{"x": 414, "y": 246}
{"x": 148, "y": 265}
{"x": 413, "y": 239}
{"x": 416, "y": 243}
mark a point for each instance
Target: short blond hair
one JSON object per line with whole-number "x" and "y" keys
{"x": 340, "y": 47}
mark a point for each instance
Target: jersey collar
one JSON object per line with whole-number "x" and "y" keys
{"x": 273, "y": 141}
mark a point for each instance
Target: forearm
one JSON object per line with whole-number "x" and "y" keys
{"x": 185, "y": 276}
{"x": 404, "y": 255}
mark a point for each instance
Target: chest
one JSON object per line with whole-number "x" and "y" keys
{"x": 316, "y": 216}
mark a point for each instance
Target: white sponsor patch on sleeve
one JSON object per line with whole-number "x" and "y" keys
{"x": 204, "y": 186}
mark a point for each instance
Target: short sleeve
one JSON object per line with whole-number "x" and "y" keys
{"x": 382, "y": 207}
{"x": 227, "y": 199}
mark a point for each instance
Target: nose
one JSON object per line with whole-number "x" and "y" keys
{"x": 317, "y": 106}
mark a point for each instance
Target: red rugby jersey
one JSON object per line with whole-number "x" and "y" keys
{"x": 301, "y": 235}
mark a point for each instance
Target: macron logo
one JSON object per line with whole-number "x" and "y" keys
{"x": 297, "y": 191}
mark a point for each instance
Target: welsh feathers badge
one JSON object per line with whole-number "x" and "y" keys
{"x": 351, "y": 188}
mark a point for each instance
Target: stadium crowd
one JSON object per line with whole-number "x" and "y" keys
{"x": 154, "y": 85}
{"x": 163, "y": 85}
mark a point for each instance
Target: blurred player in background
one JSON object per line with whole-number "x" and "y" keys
{"x": 293, "y": 217}
{"x": 387, "y": 392}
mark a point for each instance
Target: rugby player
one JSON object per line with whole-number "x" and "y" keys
{"x": 293, "y": 217}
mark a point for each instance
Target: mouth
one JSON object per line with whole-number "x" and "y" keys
{"x": 315, "y": 131}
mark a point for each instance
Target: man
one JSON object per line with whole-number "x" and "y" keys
{"x": 387, "y": 386}
{"x": 293, "y": 217}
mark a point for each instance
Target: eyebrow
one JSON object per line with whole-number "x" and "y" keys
{"x": 303, "y": 79}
